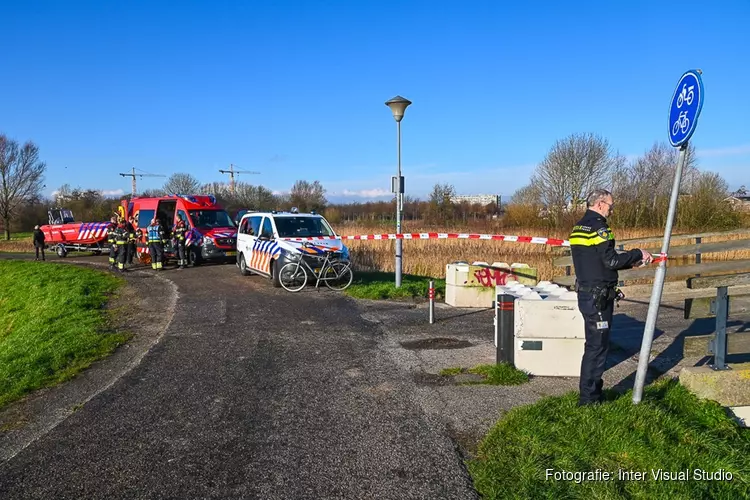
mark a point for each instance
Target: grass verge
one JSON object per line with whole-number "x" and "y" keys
{"x": 19, "y": 242}
{"x": 380, "y": 285}
{"x": 52, "y": 324}
{"x": 499, "y": 374}
{"x": 670, "y": 430}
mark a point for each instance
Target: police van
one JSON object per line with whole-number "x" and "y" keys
{"x": 268, "y": 240}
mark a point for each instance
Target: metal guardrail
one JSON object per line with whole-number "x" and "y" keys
{"x": 721, "y": 307}
{"x": 697, "y": 249}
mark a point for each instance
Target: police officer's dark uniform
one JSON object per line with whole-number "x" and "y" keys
{"x": 596, "y": 264}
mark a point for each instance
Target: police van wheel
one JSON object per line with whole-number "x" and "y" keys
{"x": 195, "y": 257}
{"x": 61, "y": 251}
{"x": 275, "y": 275}
{"x": 243, "y": 266}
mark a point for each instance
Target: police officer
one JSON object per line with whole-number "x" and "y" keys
{"x": 178, "y": 232}
{"x": 156, "y": 240}
{"x": 121, "y": 240}
{"x": 111, "y": 229}
{"x": 596, "y": 263}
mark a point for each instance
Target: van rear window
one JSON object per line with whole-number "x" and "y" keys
{"x": 144, "y": 218}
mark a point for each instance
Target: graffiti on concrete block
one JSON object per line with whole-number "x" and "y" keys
{"x": 492, "y": 277}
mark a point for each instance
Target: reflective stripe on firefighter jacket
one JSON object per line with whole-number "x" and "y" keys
{"x": 121, "y": 236}
{"x": 179, "y": 231}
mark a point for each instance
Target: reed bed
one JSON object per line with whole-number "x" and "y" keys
{"x": 429, "y": 257}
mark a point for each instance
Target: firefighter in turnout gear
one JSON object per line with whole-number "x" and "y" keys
{"x": 111, "y": 229}
{"x": 156, "y": 242}
{"x": 130, "y": 225}
{"x": 596, "y": 262}
{"x": 121, "y": 239}
{"x": 178, "y": 232}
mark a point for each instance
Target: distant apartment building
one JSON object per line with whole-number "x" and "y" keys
{"x": 481, "y": 199}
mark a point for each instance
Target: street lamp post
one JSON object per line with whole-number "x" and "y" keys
{"x": 398, "y": 105}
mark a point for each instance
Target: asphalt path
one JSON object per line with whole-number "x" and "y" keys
{"x": 252, "y": 392}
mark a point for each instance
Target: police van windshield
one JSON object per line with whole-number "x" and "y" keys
{"x": 211, "y": 218}
{"x": 300, "y": 227}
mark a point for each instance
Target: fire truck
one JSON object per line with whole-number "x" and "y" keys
{"x": 211, "y": 232}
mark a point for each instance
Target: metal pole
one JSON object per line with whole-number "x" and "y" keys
{"x": 719, "y": 342}
{"x": 431, "y": 295}
{"x": 661, "y": 271}
{"x": 399, "y": 242}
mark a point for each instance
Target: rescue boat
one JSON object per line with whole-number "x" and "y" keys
{"x": 64, "y": 234}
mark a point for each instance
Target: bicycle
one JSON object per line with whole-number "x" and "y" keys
{"x": 681, "y": 123}
{"x": 335, "y": 272}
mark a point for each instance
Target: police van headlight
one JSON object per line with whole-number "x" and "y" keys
{"x": 207, "y": 241}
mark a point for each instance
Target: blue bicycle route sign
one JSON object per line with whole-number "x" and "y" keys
{"x": 687, "y": 102}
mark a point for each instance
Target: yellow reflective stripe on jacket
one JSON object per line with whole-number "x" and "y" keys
{"x": 585, "y": 239}
{"x": 589, "y": 239}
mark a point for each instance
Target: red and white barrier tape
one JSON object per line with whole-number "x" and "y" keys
{"x": 441, "y": 236}
{"x": 661, "y": 258}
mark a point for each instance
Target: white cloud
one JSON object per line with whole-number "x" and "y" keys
{"x": 278, "y": 193}
{"x": 728, "y": 151}
{"x": 113, "y": 192}
{"x": 367, "y": 193}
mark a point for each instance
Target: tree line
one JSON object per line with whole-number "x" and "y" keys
{"x": 554, "y": 197}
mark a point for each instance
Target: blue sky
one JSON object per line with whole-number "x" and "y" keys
{"x": 296, "y": 90}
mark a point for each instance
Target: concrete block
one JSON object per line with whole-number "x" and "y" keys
{"x": 726, "y": 387}
{"x": 548, "y": 318}
{"x": 462, "y": 296}
{"x": 742, "y": 414}
{"x": 545, "y": 357}
{"x": 474, "y": 285}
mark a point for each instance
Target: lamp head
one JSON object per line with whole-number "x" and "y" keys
{"x": 398, "y": 106}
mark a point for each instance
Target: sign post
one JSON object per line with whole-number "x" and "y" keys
{"x": 687, "y": 102}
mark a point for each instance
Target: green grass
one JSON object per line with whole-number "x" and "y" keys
{"x": 670, "y": 430}
{"x": 380, "y": 285}
{"x": 52, "y": 324}
{"x": 499, "y": 374}
{"x": 19, "y": 236}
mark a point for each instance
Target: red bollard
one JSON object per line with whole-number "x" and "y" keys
{"x": 431, "y": 296}
{"x": 505, "y": 305}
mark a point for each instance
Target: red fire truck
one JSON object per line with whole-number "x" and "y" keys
{"x": 211, "y": 232}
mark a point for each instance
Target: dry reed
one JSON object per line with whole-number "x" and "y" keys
{"x": 429, "y": 257}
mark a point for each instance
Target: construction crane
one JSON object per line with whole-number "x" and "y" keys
{"x": 231, "y": 173}
{"x": 133, "y": 174}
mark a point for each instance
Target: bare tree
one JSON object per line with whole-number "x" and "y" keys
{"x": 21, "y": 176}
{"x": 642, "y": 189}
{"x": 527, "y": 195}
{"x": 253, "y": 197}
{"x": 152, "y": 193}
{"x": 308, "y": 196}
{"x": 573, "y": 167}
{"x": 181, "y": 184}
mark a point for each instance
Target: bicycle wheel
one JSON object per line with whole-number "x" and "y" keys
{"x": 339, "y": 276}
{"x": 293, "y": 277}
